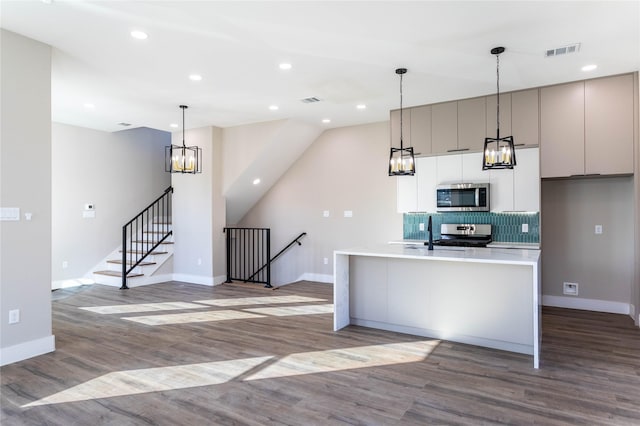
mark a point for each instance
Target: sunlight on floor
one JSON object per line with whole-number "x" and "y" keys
{"x": 142, "y": 307}
{"x": 286, "y": 311}
{"x": 259, "y": 300}
{"x": 191, "y": 317}
{"x": 157, "y": 379}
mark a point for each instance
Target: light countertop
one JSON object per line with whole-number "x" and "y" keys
{"x": 445, "y": 253}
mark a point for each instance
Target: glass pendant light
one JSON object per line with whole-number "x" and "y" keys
{"x": 183, "y": 159}
{"x": 499, "y": 153}
{"x": 401, "y": 160}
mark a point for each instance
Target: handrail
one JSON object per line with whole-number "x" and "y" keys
{"x": 295, "y": 240}
{"x": 160, "y": 207}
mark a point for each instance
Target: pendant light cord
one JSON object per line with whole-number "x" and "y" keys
{"x": 183, "y": 108}
{"x": 401, "y": 126}
{"x": 498, "y": 96}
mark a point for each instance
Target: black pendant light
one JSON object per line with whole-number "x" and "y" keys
{"x": 499, "y": 153}
{"x": 183, "y": 159}
{"x": 401, "y": 160}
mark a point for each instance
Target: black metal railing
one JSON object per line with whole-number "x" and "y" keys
{"x": 145, "y": 232}
{"x": 249, "y": 254}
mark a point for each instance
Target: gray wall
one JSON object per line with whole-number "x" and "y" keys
{"x": 344, "y": 169}
{"x": 603, "y": 264}
{"x": 120, "y": 173}
{"x": 25, "y": 174}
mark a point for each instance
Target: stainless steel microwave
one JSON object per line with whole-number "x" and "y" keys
{"x": 463, "y": 197}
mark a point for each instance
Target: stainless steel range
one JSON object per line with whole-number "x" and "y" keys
{"x": 464, "y": 235}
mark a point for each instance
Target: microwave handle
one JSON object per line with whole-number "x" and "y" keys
{"x": 477, "y": 197}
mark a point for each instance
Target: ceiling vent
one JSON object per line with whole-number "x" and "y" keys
{"x": 572, "y": 48}
{"x": 310, "y": 100}
{"x": 124, "y": 124}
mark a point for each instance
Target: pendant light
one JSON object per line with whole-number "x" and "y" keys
{"x": 499, "y": 153}
{"x": 183, "y": 159}
{"x": 401, "y": 160}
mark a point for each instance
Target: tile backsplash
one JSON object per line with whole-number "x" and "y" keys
{"x": 506, "y": 227}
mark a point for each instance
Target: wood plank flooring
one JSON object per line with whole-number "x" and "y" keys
{"x": 256, "y": 367}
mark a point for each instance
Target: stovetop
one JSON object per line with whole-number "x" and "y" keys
{"x": 464, "y": 235}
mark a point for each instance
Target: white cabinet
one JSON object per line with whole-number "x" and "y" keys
{"x": 407, "y": 194}
{"x": 501, "y": 190}
{"x": 472, "y": 168}
{"x": 526, "y": 180}
{"x": 449, "y": 168}
{"x": 427, "y": 174}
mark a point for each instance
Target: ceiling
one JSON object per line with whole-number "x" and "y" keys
{"x": 343, "y": 53}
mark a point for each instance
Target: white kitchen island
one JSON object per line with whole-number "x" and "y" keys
{"x": 481, "y": 296}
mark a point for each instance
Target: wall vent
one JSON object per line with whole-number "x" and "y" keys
{"x": 572, "y": 48}
{"x": 310, "y": 100}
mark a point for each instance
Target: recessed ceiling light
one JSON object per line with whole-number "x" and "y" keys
{"x": 590, "y": 67}
{"x": 361, "y": 106}
{"x": 140, "y": 35}
{"x": 285, "y": 66}
{"x": 273, "y": 107}
{"x": 47, "y": 1}
{"x": 89, "y": 106}
{"x": 326, "y": 120}
{"x": 256, "y": 181}
{"x": 174, "y": 125}
{"x": 195, "y": 77}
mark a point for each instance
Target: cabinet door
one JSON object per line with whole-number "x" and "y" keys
{"x": 472, "y": 124}
{"x": 427, "y": 174}
{"x": 472, "y": 168}
{"x": 449, "y": 168}
{"x": 395, "y": 127}
{"x": 444, "y": 127}
{"x": 609, "y": 125}
{"x": 505, "y": 116}
{"x": 501, "y": 190}
{"x": 562, "y": 130}
{"x": 526, "y": 180}
{"x": 421, "y": 130}
{"x": 407, "y": 194}
{"x": 525, "y": 122}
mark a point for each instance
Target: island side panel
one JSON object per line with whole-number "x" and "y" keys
{"x": 340, "y": 291}
{"x": 368, "y": 279}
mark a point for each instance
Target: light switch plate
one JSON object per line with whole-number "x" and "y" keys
{"x": 598, "y": 229}
{"x": 348, "y": 213}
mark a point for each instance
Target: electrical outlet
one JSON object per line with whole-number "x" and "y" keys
{"x": 65, "y": 264}
{"x": 570, "y": 289}
{"x": 325, "y": 213}
{"x": 199, "y": 261}
{"x": 14, "y": 316}
{"x": 525, "y": 228}
{"x": 598, "y": 229}
{"x": 326, "y": 260}
{"x": 421, "y": 226}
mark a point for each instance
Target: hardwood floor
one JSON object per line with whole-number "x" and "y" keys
{"x": 204, "y": 356}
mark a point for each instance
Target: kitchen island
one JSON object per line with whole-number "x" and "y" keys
{"x": 481, "y": 296}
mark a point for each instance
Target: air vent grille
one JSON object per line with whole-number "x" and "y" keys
{"x": 124, "y": 124}
{"x": 310, "y": 100}
{"x": 564, "y": 50}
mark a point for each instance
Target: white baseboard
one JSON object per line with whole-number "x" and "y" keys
{"x": 319, "y": 278}
{"x": 586, "y": 304}
{"x": 194, "y": 279}
{"x": 27, "y": 350}
{"x": 58, "y": 284}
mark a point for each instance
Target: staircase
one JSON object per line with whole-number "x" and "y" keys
{"x": 147, "y": 243}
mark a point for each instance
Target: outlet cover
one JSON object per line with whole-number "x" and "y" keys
{"x": 598, "y": 229}
{"x": 570, "y": 289}
{"x": 421, "y": 226}
{"x": 14, "y": 316}
{"x": 525, "y": 228}
{"x": 326, "y": 260}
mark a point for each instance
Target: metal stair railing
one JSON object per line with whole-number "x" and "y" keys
{"x": 155, "y": 220}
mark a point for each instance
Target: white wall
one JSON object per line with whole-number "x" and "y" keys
{"x": 25, "y": 174}
{"x": 603, "y": 264}
{"x": 198, "y": 213}
{"x": 344, "y": 169}
{"x": 121, "y": 173}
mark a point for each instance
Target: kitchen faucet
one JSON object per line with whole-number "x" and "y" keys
{"x": 430, "y": 230}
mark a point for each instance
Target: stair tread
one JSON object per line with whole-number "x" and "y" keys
{"x": 143, "y": 252}
{"x": 152, "y": 242}
{"x": 119, "y": 262}
{"x": 117, "y": 274}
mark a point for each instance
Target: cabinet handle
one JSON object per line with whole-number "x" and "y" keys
{"x": 458, "y": 150}
{"x": 520, "y": 144}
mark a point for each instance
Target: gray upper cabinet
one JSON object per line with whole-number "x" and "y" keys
{"x": 444, "y": 127}
{"x": 525, "y": 119}
{"x": 472, "y": 124}
{"x": 421, "y": 130}
{"x": 609, "y": 125}
{"x": 562, "y": 130}
{"x": 505, "y": 116}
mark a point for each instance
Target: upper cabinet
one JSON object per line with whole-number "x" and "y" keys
{"x": 608, "y": 111}
{"x": 472, "y": 124}
{"x": 421, "y": 130}
{"x": 444, "y": 127}
{"x": 586, "y": 127}
{"x": 525, "y": 120}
